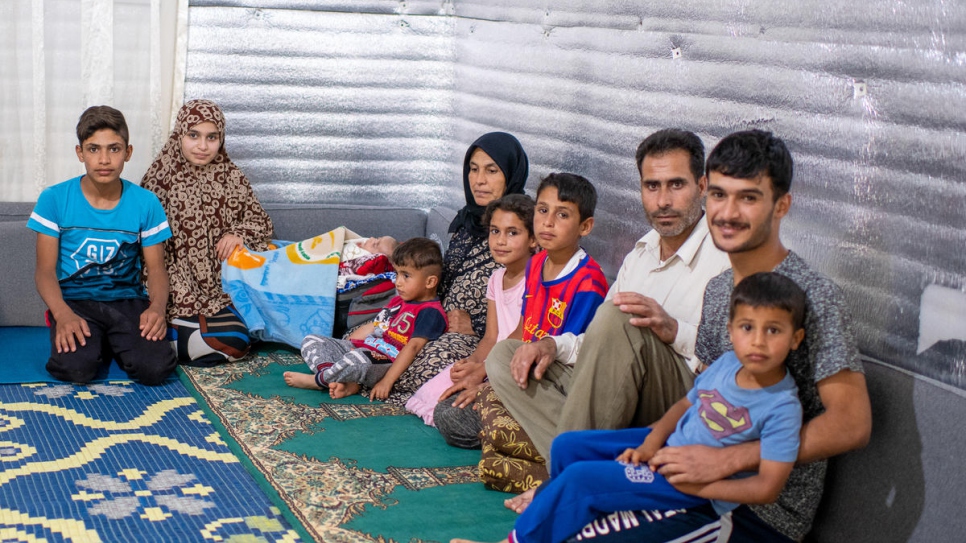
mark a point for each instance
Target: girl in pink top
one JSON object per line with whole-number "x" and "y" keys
{"x": 509, "y": 222}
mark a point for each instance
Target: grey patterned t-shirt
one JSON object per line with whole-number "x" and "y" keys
{"x": 829, "y": 348}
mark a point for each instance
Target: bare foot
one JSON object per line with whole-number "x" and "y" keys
{"x": 520, "y": 502}
{"x": 301, "y": 380}
{"x": 341, "y": 390}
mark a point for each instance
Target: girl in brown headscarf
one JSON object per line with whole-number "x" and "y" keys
{"x": 212, "y": 211}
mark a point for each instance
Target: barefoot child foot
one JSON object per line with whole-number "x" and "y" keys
{"x": 520, "y": 502}
{"x": 301, "y": 380}
{"x": 342, "y": 390}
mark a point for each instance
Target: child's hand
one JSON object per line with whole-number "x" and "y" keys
{"x": 461, "y": 369}
{"x": 637, "y": 456}
{"x": 469, "y": 370}
{"x": 71, "y": 331}
{"x": 381, "y": 390}
{"x": 227, "y": 245}
{"x": 153, "y": 326}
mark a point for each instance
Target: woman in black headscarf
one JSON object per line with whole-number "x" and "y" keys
{"x": 494, "y": 165}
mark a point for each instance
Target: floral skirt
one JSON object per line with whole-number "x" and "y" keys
{"x": 509, "y": 461}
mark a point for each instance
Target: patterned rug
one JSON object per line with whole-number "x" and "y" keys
{"x": 350, "y": 470}
{"x": 116, "y": 461}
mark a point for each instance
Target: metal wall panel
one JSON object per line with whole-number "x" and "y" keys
{"x": 376, "y": 101}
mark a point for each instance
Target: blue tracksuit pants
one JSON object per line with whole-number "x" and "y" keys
{"x": 586, "y": 482}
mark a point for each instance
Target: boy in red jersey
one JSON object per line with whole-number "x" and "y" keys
{"x": 376, "y": 354}
{"x": 564, "y": 285}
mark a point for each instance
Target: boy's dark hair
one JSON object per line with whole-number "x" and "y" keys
{"x": 419, "y": 253}
{"x": 519, "y": 204}
{"x": 772, "y": 290}
{"x": 673, "y": 139}
{"x": 748, "y": 154}
{"x": 97, "y": 118}
{"x": 572, "y": 188}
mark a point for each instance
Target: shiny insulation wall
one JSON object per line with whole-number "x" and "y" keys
{"x": 375, "y": 102}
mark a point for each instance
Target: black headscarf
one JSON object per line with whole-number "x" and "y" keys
{"x": 509, "y": 155}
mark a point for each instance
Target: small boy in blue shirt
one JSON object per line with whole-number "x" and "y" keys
{"x": 745, "y": 395}
{"x": 92, "y": 232}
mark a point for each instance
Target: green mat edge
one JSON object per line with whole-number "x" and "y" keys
{"x": 239, "y": 451}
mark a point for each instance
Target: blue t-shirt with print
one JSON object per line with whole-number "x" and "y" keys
{"x": 722, "y": 414}
{"x": 100, "y": 249}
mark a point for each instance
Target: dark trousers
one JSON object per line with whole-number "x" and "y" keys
{"x": 114, "y": 335}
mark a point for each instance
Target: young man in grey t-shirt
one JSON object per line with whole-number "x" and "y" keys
{"x": 749, "y": 175}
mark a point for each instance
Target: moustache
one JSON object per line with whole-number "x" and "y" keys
{"x": 730, "y": 224}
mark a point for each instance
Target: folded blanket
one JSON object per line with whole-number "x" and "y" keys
{"x": 287, "y": 293}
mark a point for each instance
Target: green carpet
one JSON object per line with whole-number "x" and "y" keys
{"x": 348, "y": 470}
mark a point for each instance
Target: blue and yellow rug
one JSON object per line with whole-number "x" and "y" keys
{"x": 116, "y": 461}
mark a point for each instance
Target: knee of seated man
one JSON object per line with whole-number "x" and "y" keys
{"x": 608, "y": 317}
{"x": 610, "y": 325}
{"x": 498, "y": 361}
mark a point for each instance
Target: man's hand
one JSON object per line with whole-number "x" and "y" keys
{"x": 71, "y": 331}
{"x": 537, "y": 355}
{"x": 153, "y": 326}
{"x": 227, "y": 245}
{"x": 381, "y": 390}
{"x": 460, "y": 322}
{"x": 694, "y": 463}
{"x": 647, "y": 313}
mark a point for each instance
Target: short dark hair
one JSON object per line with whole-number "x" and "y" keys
{"x": 520, "y": 205}
{"x": 748, "y": 154}
{"x": 572, "y": 188}
{"x": 673, "y": 139}
{"x": 97, "y": 118}
{"x": 419, "y": 253}
{"x": 772, "y": 290}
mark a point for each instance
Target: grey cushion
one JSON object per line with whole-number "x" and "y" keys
{"x": 15, "y": 211}
{"x": 20, "y": 305}
{"x": 437, "y": 225}
{"x": 295, "y": 222}
{"x": 907, "y": 484}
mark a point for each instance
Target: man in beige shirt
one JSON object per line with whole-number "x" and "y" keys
{"x": 636, "y": 358}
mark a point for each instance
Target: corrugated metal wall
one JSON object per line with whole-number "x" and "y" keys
{"x": 376, "y": 101}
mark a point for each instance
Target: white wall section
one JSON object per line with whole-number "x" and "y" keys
{"x": 58, "y": 57}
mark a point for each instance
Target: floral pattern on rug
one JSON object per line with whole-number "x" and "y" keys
{"x": 324, "y": 494}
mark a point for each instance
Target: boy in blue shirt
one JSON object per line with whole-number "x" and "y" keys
{"x": 92, "y": 232}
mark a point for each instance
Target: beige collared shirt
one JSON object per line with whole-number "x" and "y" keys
{"x": 677, "y": 284}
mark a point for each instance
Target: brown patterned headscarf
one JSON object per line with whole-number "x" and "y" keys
{"x": 203, "y": 204}
{"x": 171, "y": 168}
